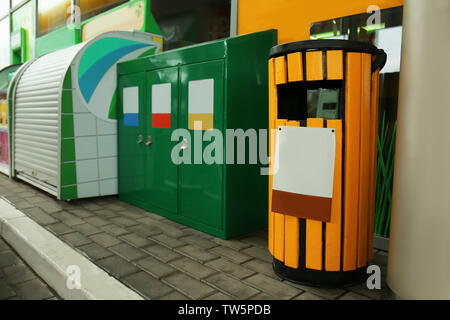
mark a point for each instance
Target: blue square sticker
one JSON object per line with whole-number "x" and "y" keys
{"x": 131, "y": 119}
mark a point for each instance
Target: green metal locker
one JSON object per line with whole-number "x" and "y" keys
{"x": 220, "y": 85}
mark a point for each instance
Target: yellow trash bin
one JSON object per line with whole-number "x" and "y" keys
{"x": 321, "y": 221}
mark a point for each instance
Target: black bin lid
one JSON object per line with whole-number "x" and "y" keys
{"x": 323, "y": 45}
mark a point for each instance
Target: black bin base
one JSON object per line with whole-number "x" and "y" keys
{"x": 316, "y": 278}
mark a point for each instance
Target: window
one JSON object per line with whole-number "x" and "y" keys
{"x": 4, "y": 8}
{"x": 52, "y": 14}
{"x": 91, "y": 8}
{"x": 184, "y": 23}
{"x": 16, "y": 2}
{"x": 22, "y": 18}
{"x": 386, "y": 34}
{"x": 5, "y": 47}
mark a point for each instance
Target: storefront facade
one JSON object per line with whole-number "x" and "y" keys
{"x": 31, "y": 28}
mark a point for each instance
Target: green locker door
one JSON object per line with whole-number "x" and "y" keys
{"x": 131, "y": 146}
{"x": 201, "y": 185}
{"x": 162, "y": 173}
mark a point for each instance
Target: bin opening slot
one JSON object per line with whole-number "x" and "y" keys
{"x": 299, "y": 101}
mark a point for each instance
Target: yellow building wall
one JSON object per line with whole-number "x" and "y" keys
{"x": 292, "y": 18}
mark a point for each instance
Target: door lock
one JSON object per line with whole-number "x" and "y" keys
{"x": 149, "y": 141}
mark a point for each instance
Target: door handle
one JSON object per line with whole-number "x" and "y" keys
{"x": 149, "y": 141}
{"x": 140, "y": 139}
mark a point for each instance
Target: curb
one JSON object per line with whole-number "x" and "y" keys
{"x": 50, "y": 258}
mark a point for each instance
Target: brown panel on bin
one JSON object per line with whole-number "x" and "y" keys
{"x": 280, "y": 70}
{"x": 314, "y": 243}
{"x": 333, "y": 229}
{"x": 295, "y": 66}
{"x": 272, "y": 119}
{"x": 291, "y": 231}
{"x": 373, "y": 160}
{"x": 279, "y": 223}
{"x": 314, "y": 65}
{"x": 302, "y": 206}
{"x": 335, "y": 65}
{"x": 351, "y": 165}
{"x": 364, "y": 163}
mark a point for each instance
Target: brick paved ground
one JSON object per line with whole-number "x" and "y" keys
{"x": 161, "y": 259}
{"x": 18, "y": 281}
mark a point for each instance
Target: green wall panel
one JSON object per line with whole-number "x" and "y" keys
{"x": 67, "y": 103}
{"x": 68, "y": 80}
{"x": 59, "y": 39}
{"x": 201, "y": 191}
{"x": 67, "y": 126}
{"x": 243, "y": 91}
{"x": 131, "y": 151}
{"x": 69, "y": 192}
{"x": 162, "y": 185}
{"x": 68, "y": 174}
{"x": 68, "y": 150}
{"x": 113, "y": 108}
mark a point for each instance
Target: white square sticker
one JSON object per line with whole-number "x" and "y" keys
{"x": 201, "y": 96}
{"x": 162, "y": 98}
{"x": 131, "y": 100}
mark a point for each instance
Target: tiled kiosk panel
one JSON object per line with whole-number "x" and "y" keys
{"x": 66, "y": 102}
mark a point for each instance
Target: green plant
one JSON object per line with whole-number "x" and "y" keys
{"x": 385, "y": 176}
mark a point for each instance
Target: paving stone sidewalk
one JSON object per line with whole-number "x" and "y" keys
{"x": 18, "y": 281}
{"x": 161, "y": 259}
